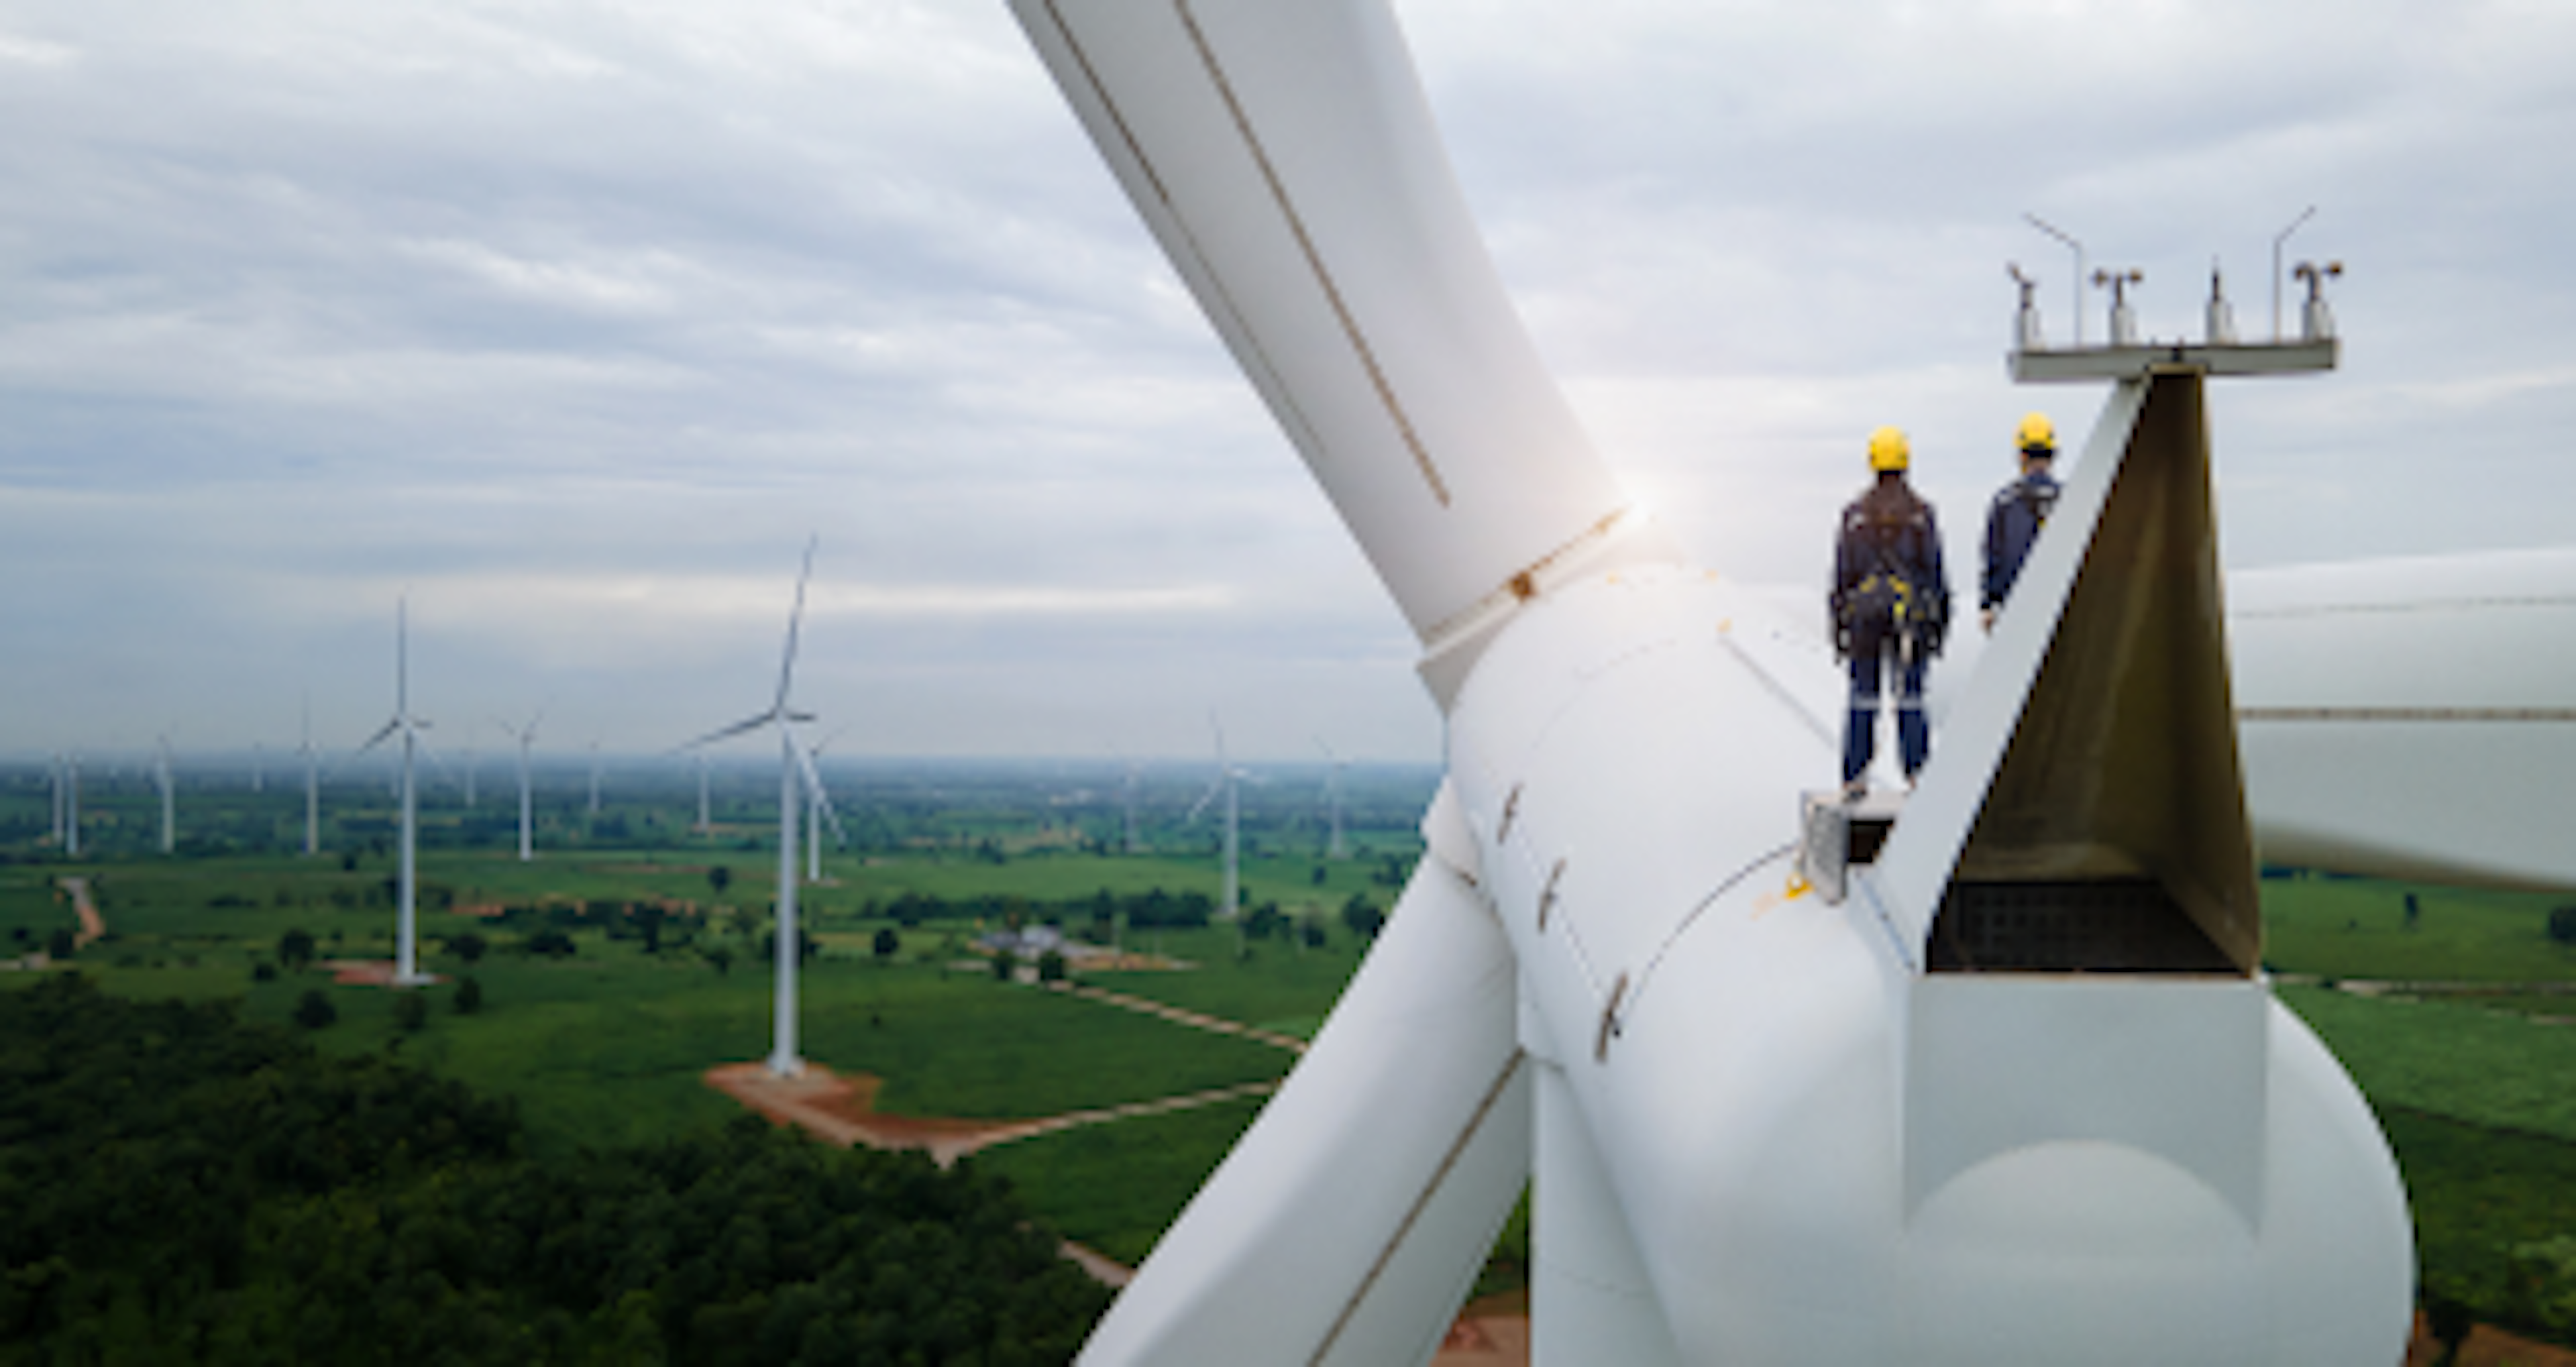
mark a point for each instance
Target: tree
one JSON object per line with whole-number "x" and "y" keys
{"x": 719, "y": 878}
{"x": 2450, "y": 1322}
{"x": 648, "y": 918}
{"x": 1051, "y": 967}
{"x": 61, "y": 944}
{"x": 886, "y": 943}
{"x": 1363, "y": 916}
{"x": 411, "y": 1012}
{"x": 1264, "y": 920}
{"x": 314, "y": 1011}
{"x": 1004, "y": 962}
{"x": 719, "y": 956}
{"x": 469, "y": 995}
{"x": 295, "y": 948}
{"x": 552, "y": 943}
{"x": 2562, "y": 925}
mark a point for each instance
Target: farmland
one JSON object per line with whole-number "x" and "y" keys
{"x": 2449, "y": 1014}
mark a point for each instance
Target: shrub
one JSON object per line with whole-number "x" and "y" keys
{"x": 263, "y": 972}
{"x": 1051, "y": 967}
{"x": 411, "y": 1011}
{"x": 314, "y": 1011}
{"x": 1003, "y": 963}
{"x": 2540, "y": 1285}
{"x": 469, "y": 995}
{"x": 2562, "y": 925}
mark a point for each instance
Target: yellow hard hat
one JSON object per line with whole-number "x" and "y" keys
{"x": 2037, "y": 436}
{"x": 1887, "y": 449}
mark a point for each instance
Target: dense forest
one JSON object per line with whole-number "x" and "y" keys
{"x": 182, "y": 1186}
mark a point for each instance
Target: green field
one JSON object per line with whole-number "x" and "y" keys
{"x": 608, "y": 1046}
{"x": 2475, "y": 1088}
{"x": 2469, "y": 1066}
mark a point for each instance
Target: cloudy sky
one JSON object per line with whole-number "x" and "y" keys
{"x": 573, "y": 322}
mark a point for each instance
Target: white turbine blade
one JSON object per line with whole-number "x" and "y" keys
{"x": 738, "y": 728}
{"x": 814, "y": 789}
{"x": 1345, "y": 1226}
{"x": 1204, "y": 799}
{"x": 795, "y": 615}
{"x": 402, "y": 657}
{"x": 391, "y": 726}
{"x": 1285, "y": 157}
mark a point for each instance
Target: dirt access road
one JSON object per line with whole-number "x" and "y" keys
{"x": 92, "y": 925}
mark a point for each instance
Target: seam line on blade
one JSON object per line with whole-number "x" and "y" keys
{"x": 1815, "y": 726}
{"x": 1439, "y": 1177}
{"x": 1523, "y": 585}
{"x": 1314, "y": 259}
{"x": 2559, "y": 714}
{"x": 1224, "y": 300}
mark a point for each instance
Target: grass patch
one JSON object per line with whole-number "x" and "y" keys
{"x": 1118, "y": 1187}
{"x": 2478, "y": 1192}
{"x": 2488, "y": 1068}
{"x": 1278, "y": 988}
{"x": 2357, "y": 928}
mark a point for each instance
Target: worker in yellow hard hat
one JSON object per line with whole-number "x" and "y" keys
{"x": 1891, "y": 607}
{"x": 2020, "y": 509}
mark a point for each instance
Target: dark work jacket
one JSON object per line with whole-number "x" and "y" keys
{"x": 2013, "y": 521}
{"x": 1888, "y": 580}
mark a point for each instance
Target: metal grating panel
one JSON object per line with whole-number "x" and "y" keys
{"x": 2124, "y": 926}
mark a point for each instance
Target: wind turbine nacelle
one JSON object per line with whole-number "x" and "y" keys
{"x": 1821, "y": 1153}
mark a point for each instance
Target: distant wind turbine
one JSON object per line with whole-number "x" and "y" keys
{"x": 169, "y": 795}
{"x": 71, "y": 804}
{"x": 312, "y": 786}
{"x": 1333, "y": 847}
{"x": 1226, "y": 776}
{"x": 818, "y": 810}
{"x": 526, "y": 736}
{"x": 793, "y": 764}
{"x": 704, "y": 823}
{"x": 594, "y": 778}
{"x": 58, "y": 798}
{"x": 406, "y": 947}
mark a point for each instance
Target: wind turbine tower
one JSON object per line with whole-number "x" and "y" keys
{"x": 71, "y": 804}
{"x": 817, "y": 811}
{"x": 526, "y": 736}
{"x": 793, "y": 765}
{"x": 1334, "y": 847}
{"x": 704, "y": 824}
{"x": 312, "y": 787}
{"x": 57, "y": 776}
{"x": 1134, "y": 845}
{"x": 1226, "y": 774}
{"x": 406, "y": 939}
{"x": 594, "y": 778}
{"x": 169, "y": 798}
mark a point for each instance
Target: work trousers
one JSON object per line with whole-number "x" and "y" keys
{"x": 1881, "y": 654}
